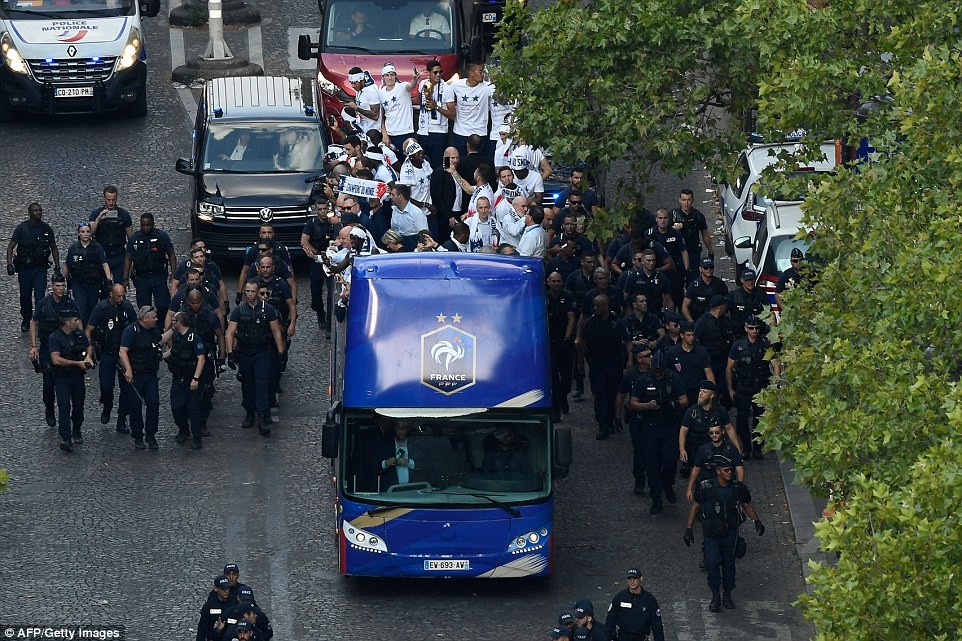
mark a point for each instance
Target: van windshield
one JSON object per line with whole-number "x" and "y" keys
{"x": 65, "y": 9}
{"x": 262, "y": 147}
{"x": 388, "y": 26}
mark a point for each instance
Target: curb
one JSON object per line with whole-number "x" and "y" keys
{"x": 805, "y": 510}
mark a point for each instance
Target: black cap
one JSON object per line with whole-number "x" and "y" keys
{"x": 243, "y": 625}
{"x": 583, "y": 608}
{"x": 717, "y": 300}
{"x": 58, "y": 277}
{"x": 231, "y": 567}
{"x": 557, "y": 633}
{"x": 245, "y": 595}
{"x": 69, "y": 312}
{"x": 720, "y": 460}
{"x": 671, "y": 316}
{"x": 708, "y": 385}
{"x": 565, "y": 618}
{"x": 749, "y": 274}
{"x": 688, "y": 326}
{"x": 633, "y": 573}
{"x": 753, "y": 321}
{"x": 638, "y": 349}
{"x": 797, "y": 253}
{"x": 707, "y": 262}
{"x": 222, "y": 582}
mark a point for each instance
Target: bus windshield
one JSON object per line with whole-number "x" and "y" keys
{"x": 492, "y": 457}
{"x": 384, "y": 27}
{"x": 65, "y": 9}
{"x": 252, "y": 147}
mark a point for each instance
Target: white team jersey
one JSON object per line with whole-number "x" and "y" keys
{"x": 471, "y": 106}
{"x": 500, "y": 115}
{"x": 418, "y": 179}
{"x": 531, "y": 184}
{"x": 365, "y": 98}
{"x": 397, "y": 110}
{"x": 502, "y": 151}
{"x": 432, "y": 122}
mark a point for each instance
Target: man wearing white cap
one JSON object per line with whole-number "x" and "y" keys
{"x": 503, "y": 145}
{"x": 529, "y": 182}
{"x": 416, "y": 173}
{"x": 500, "y": 123}
{"x": 395, "y": 97}
{"x": 367, "y": 102}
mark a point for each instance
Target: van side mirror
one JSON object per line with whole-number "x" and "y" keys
{"x": 562, "y": 452}
{"x": 743, "y": 242}
{"x": 183, "y": 166}
{"x": 149, "y": 8}
{"x": 305, "y": 48}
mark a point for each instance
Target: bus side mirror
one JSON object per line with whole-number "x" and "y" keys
{"x": 562, "y": 452}
{"x": 330, "y": 435}
{"x": 149, "y": 8}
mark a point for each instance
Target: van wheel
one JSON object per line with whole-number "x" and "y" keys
{"x": 139, "y": 108}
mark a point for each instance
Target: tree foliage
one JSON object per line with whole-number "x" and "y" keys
{"x": 650, "y": 83}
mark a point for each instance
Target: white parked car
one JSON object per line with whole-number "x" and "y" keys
{"x": 744, "y": 201}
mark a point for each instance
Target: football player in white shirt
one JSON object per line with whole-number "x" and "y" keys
{"x": 367, "y": 102}
{"x": 528, "y": 181}
{"x": 416, "y": 173}
{"x": 469, "y": 105}
{"x": 398, "y": 122}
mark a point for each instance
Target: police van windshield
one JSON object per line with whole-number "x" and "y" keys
{"x": 494, "y": 457}
{"x": 778, "y": 258}
{"x": 65, "y": 9}
{"x": 388, "y": 26}
{"x": 264, "y": 147}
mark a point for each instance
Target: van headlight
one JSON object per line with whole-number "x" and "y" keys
{"x": 131, "y": 52}
{"x": 208, "y": 211}
{"x": 326, "y": 85}
{"x": 11, "y": 57}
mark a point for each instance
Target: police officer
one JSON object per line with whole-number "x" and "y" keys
{"x": 702, "y": 464}
{"x": 584, "y": 614}
{"x": 561, "y": 329}
{"x": 209, "y": 277}
{"x": 691, "y": 361}
{"x": 714, "y": 333}
{"x": 747, "y": 300}
{"x": 641, "y": 357}
{"x": 246, "y": 612}
{"x": 790, "y": 278}
{"x": 640, "y": 326}
{"x": 34, "y": 243}
{"x": 238, "y": 589}
{"x": 46, "y": 320}
{"x": 747, "y": 374}
{"x": 644, "y": 278}
{"x": 111, "y": 226}
{"x": 151, "y": 254}
{"x": 195, "y": 280}
{"x": 702, "y": 289}
{"x": 86, "y": 269}
{"x": 578, "y": 283}
{"x": 190, "y": 371}
{"x": 280, "y": 296}
{"x": 204, "y": 321}
{"x": 210, "y": 626}
{"x": 140, "y": 357}
{"x": 672, "y": 240}
{"x": 693, "y": 227}
{"x": 657, "y": 399}
{"x": 71, "y": 358}
{"x": 284, "y": 266}
{"x": 604, "y": 352}
{"x": 634, "y": 614}
{"x": 717, "y": 502}
{"x": 253, "y": 327}
{"x": 108, "y": 320}
{"x": 199, "y": 258}
{"x": 700, "y": 419}
{"x": 319, "y": 232}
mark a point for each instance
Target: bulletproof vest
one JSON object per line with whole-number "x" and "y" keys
{"x": 253, "y": 327}
{"x": 182, "y": 361}
{"x": 321, "y": 234}
{"x": 144, "y": 353}
{"x": 111, "y": 235}
{"x": 701, "y": 294}
{"x": 85, "y": 267}
{"x": 719, "y": 507}
{"x": 689, "y": 229}
{"x": 276, "y": 298}
{"x": 49, "y": 320}
{"x": 640, "y": 283}
{"x": 701, "y": 420}
{"x": 707, "y": 472}
{"x": 201, "y": 324}
{"x": 715, "y": 338}
{"x": 72, "y": 348}
{"x": 150, "y": 256}
{"x": 34, "y": 250}
{"x": 751, "y": 370}
{"x": 558, "y": 316}
{"x": 646, "y": 328}
{"x": 647, "y": 388}
{"x": 114, "y": 319}
{"x": 744, "y": 305}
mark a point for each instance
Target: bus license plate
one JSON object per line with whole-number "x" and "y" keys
{"x": 489, "y": 18}
{"x": 73, "y": 92}
{"x": 447, "y": 564}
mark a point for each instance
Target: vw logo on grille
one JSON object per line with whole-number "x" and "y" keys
{"x": 71, "y": 51}
{"x": 267, "y": 214}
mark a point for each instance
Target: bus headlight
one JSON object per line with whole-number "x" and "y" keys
{"x": 529, "y": 541}
{"x": 363, "y": 540}
{"x": 131, "y": 52}
{"x": 11, "y": 57}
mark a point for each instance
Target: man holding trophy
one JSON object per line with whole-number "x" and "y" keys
{"x": 434, "y": 118}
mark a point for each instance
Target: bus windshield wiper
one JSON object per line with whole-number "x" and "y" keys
{"x": 504, "y": 506}
{"x": 385, "y": 508}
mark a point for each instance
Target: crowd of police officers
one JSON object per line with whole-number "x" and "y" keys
{"x": 182, "y": 318}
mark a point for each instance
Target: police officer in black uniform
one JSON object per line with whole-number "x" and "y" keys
{"x": 641, "y": 362}
{"x": 190, "y": 371}
{"x": 691, "y": 361}
{"x": 604, "y": 352}
{"x": 700, "y": 419}
{"x": 658, "y": 399}
{"x": 561, "y": 329}
{"x": 71, "y": 358}
{"x": 790, "y": 278}
{"x": 279, "y": 296}
{"x": 86, "y": 269}
{"x": 140, "y": 357}
{"x": 283, "y": 265}
{"x": 702, "y": 289}
{"x": 151, "y": 254}
{"x": 46, "y": 320}
{"x": 584, "y": 613}
{"x": 238, "y": 590}
{"x": 252, "y": 329}
{"x": 578, "y": 283}
{"x": 319, "y": 232}
{"x": 111, "y": 226}
{"x": 702, "y": 464}
{"x": 210, "y": 626}
{"x": 247, "y": 612}
{"x": 199, "y": 258}
{"x": 634, "y": 614}
{"x": 34, "y": 243}
{"x": 674, "y": 243}
{"x": 747, "y": 300}
{"x": 693, "y": 227}
{"x": 196, "y": 279}
{"x": 108, "y": 320}
{"x": 644, "y": 278}
{"x": 747, "y": 373}
{"x": 714, "y": 333}
{"x": 640, "y": 325}
{"x": 204, "y": 321}
{"x": 717, "y": 504}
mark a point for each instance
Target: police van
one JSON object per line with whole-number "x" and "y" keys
{"x": 76, "y": 56}
{"x": 258, "y": 148}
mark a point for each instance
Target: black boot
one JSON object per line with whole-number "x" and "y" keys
{"x": 183, "y": 433}
{"x": 122, "y": 425}
{"x": 263, "y": 424}
{"x": 105, "y": 415}
{"x": 248, "y": 420}
{"x": 50, "y": 417}
{"x": 727, "y": 601}
{"x": 196, "y": 444}
{"x": 715, "y": 605}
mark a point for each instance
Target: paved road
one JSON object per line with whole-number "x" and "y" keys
{"x": 112, "y": 536}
